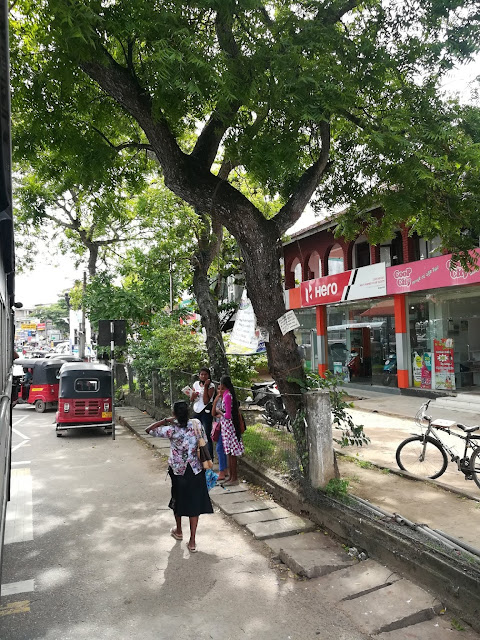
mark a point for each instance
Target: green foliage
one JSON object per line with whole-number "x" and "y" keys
{"x": 243, "y": 370}
{"x": 270, "y": 78}
{"x": 270, "y": 448}
{"x": 337, "y": 488}
{"x": 56, "y": 314}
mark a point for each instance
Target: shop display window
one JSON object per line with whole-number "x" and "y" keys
{"x": 361, "y": 341}
{"x": 444, "y": 328}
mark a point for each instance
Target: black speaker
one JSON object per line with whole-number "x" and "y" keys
{"x": 119, "y": 333}
{"x": 104, "y": 336}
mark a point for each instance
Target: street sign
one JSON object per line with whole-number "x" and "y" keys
{"x": 105, "y": 336}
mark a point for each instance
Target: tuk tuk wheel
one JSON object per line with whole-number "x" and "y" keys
{"x": 40, "y": 406}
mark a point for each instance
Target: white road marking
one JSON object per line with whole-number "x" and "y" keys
{"x": 17, "y": 422}
{"x": 24, "y": 462}
{"x": 20, "y": 434}
{"x": 18, "y": 587}
{"x": 19, "y": 520}
{"x": 20, "y": 444}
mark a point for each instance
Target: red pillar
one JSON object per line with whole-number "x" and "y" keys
{"x": 322, "y": 340}
{"x": 399, "y": 301}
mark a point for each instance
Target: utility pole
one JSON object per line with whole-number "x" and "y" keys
{"x": 81, "y": 337}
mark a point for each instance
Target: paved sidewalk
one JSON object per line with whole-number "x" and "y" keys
{"x": 380, "y": 603}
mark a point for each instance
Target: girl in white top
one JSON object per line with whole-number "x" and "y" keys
{"x": 202, "y": 398}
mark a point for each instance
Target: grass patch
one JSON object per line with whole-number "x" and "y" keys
{"x": 270, "y": 447}
{"x": 337, "y": 488}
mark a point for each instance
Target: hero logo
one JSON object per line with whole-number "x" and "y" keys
{"x": 403, "y": 278}
{"x": 321, "y": 291}
{"x": 456, "y": 272}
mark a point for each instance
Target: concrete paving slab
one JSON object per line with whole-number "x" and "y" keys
{"x": 358, "y": 578}
{"x": 313, "y": 563}
{"x": 279, "y": 528}
{"x": 440, "y": 628}
{"x": 311, "y": 554}
{"x": 230, "y": 498}
{"x": 243, "y": 507}
{"x": 261, "y": 516}
{"x": 394, "y": 607}
{"x": 219, "y": 490}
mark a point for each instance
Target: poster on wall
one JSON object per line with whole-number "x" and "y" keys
{"x": 426, "y": 376}
{"x": 417, "y": 370}
{"x": 443, "y": 364}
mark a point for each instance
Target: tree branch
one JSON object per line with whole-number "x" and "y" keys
{"x": 122, "y": 85}
{"x": 292, "y": 210}
{"x": 209, "y": 140}
{"x": 334, "y": 13}
{"x": 124, "y": 145}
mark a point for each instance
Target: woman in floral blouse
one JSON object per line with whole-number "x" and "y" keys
{"x": 189, "y": 488}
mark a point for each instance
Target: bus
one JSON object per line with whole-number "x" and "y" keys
{"x": 7, "y": 273}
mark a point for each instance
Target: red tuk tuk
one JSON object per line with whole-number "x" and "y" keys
{"x": 38, "y": 384}
{"x": 85, "y": 397}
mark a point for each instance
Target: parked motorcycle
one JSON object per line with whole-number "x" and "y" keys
{"x": 390, "y": 370}
{"x": 275, "y": 413}
{"x": 262, "y": 392}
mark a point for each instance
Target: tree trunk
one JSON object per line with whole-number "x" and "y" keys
{"x": 210, "y": 322}
{"x": 265, "y": 290}
{"x": 209, "y": 240}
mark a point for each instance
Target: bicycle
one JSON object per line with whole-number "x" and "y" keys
{"x": 426, "y": 456}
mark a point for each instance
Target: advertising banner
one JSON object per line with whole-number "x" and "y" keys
{"x": 443, "y": 364}
{"x": 28, "y": 326}
{"x": 433, "y": 273}
{"x": 364, "y": 282}
{"x": 245, "y": 337}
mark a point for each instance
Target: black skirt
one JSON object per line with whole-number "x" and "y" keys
{"x": 189, "y": 494}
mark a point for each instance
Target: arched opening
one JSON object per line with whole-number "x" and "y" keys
{"x": 335, "y": 261}
{"x": 361, "y": 252}
{"x": 296, "y": 271}
{"x": 392, "y": 252}
{"x": 314, "y": 267}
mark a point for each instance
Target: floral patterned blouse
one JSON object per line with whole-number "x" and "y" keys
{"x": 183, "y": 445}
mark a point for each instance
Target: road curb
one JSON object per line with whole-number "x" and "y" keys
{"x": 455, "y": 581}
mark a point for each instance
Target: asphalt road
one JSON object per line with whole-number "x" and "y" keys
{"x": 88, "y": 553}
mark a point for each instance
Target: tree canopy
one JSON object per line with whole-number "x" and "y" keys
{"x": 337, "y": 98}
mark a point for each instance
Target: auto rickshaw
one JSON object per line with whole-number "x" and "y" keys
{"x": 38, "y": 382}
{"x": 85, "y": 397}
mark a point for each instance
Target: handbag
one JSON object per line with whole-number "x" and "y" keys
{"x": 241, "y": 422}
{"x": 216, "y": 431}
{"x": 211, "y": 478}
{"x": 202, "y": 449}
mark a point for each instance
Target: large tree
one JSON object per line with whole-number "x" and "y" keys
{"x": 328, "y": 96}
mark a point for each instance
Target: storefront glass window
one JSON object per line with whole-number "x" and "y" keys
{"x": 361, "y": 341}
{"x": 444, "y": 328}
{"x": 306, "y": 337}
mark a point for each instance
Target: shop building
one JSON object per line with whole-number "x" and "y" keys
{"x": 390, "y": 315}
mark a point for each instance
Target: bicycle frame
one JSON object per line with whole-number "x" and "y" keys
{"x": 435, "y": 428}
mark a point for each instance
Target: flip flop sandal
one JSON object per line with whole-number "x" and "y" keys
{"x": 175, "y": 535}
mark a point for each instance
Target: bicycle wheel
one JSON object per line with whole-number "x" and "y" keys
{"x": 423, "y": 460}
{"x": 475, "y": 466}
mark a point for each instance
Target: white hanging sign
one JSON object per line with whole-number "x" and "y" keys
{"x": 288, "y": 322}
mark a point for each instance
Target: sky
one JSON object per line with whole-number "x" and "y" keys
{"x": 46, "y": 282}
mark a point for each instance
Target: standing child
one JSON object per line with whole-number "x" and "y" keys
{"x": 227, "y": 408}
{"x": 202, "y": 398}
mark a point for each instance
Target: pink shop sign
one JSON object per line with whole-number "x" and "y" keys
{"x": 433, "y": 273}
